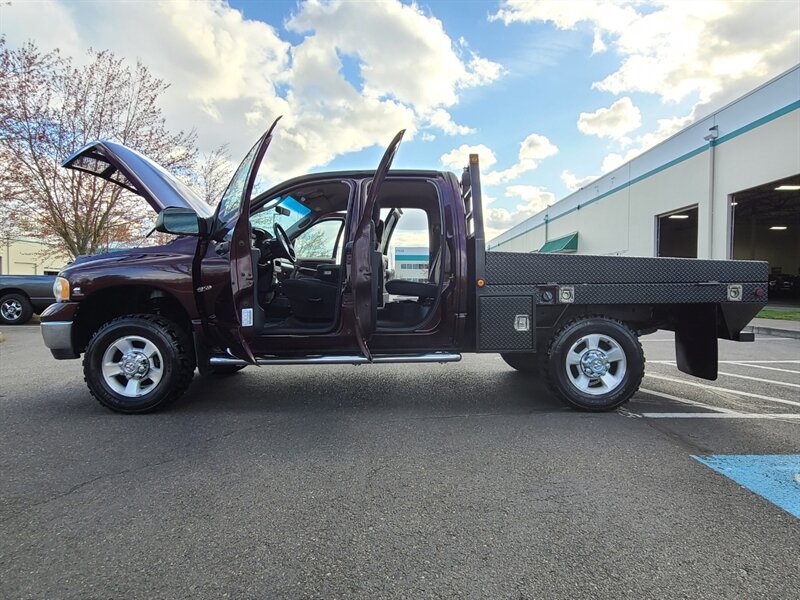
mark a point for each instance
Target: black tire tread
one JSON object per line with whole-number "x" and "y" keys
{"x": 552, "y": 383}
{"x": 27, "y": 308}
{"x": 181, "y": 343}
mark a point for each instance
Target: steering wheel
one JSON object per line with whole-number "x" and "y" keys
{"x": 286, "y": 243}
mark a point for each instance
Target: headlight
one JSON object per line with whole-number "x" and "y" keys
{"x": 61, "y": 289}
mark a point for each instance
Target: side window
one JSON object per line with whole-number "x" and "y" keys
{"x": 319, "y": 241}
{"x": 409, "y": 246}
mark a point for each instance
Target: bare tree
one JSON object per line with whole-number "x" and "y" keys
{"x": 211, "y": 174}
{"x": 48, "y": 109}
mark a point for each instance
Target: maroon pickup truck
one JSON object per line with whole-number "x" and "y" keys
{"x": 296, "y": 275}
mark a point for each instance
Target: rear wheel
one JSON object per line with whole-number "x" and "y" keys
{"x": 15, "y": 309}
{"x": 138, "y": 363}
{"x": 525, "y": 362}
{"x": 595, "y": 363}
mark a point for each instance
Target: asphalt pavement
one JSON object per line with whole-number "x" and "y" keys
{"x": 466, "y": 480}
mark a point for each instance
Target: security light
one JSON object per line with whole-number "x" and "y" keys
{"x": 787, "y": 188}
{"x": 679, "y": 216}
{"x": 778, "y": 228}
{"x": 713, "y": 133}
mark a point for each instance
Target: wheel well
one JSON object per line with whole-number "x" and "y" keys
{"x": 5, "y": 291}
{"x": 102, "y": 306}
{"x": 642, "y": 318}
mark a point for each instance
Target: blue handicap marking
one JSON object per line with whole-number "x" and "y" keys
{"x": 775, "y": 477}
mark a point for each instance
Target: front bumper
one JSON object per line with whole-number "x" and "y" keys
{"x": 57, "y": 320}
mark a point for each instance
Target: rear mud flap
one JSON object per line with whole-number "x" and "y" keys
{"x": 696, "y": 343}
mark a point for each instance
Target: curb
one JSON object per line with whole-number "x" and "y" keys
{"x": 774, "y": 332}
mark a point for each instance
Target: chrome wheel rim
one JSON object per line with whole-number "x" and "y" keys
{"x": 132, "y": 366}
{"x": 11, "y": 309}
{"x": 596, "y": 364}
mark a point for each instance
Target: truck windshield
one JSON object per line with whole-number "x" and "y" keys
{"x": 285, "y": 211}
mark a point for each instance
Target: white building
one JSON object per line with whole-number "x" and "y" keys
{"x": 20, "y": 256}
{"x": 727, "y": 186}
{"x": 411, "y": 263}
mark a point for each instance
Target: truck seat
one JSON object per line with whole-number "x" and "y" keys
{"x": 311, "y": 299}
{"x": 401, "y": 287}
{"x": 422, "y": 290}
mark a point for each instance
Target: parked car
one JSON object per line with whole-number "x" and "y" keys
{"x": 22, "y": 296}
{"x": 784, "y": 286}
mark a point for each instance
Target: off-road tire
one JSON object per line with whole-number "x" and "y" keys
{"x": 175, "y": 348}
{"x": 528, "y": 363}
{"x": 23, "y": 306}
{"x": 556, "y": 365}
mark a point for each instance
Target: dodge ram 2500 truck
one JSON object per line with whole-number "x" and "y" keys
{"x": 296, "y": 275}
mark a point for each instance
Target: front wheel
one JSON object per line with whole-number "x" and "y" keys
{"x": 15, "y": 309}
{"x": 138, "y": 363}
{"x": 595, "y": 363}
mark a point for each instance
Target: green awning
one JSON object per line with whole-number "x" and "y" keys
{"x": 568, "y": 243}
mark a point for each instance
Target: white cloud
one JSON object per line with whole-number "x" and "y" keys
{"x": 665, "y": 129}
{"x": 532, "y": 150}
{"x": 573, "y": 182}
{"x": 609, "y": 15}
{"x": 613, "y": 160}
{"x": 613, "y": 122}
{"x": 442, "y": 120}
{"x": 458, "y": 158}
{"x": 533, "y": 200}
{"x": 642, "y": 143}
{"x": 673, "y": 49}
{"x": 231, "y": 76}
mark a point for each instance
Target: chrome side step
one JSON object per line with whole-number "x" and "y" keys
{"x": 355, "y": 359}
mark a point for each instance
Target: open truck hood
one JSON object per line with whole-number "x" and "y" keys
{"x": 136, "y": 173}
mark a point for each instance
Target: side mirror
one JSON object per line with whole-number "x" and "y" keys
{"x": 179, "y": 221}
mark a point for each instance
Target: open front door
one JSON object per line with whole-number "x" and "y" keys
{"x": 234, "y": 214}
{"x": 364, "y": 256}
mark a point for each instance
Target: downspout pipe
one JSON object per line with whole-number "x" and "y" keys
{"x": 711, "y": 138}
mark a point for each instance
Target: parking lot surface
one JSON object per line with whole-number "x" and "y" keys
{"x": 407, "y": 481}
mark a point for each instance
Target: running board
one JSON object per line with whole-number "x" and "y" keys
{"x": 433, "y": 357}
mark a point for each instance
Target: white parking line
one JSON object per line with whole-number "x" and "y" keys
{"x": 719, "y": 416}
{"x": 748, "y": 364}
{"x": 718, "y": 409}
{"x": 722, "y": 389}
{"x": 735, "y": 362}
{"x": 759, "y": 379}
{"x": 772, "y": 381}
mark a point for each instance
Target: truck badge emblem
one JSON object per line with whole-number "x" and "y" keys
{"x": 522, "y": 323}
{"x": 204, "y": 288}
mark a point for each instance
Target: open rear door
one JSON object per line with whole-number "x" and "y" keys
{"x": 234, "y": 213}
{"x": 364, "y": 256}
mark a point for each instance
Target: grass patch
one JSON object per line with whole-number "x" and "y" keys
{"x": 2, "y": 338}
{"x": 783, "y": 315}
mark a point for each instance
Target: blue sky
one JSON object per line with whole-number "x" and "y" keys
{"x": 555, "y": 93}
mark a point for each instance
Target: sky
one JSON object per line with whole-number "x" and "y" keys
{"x": 550, "y": 94}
